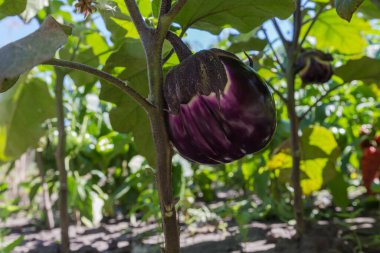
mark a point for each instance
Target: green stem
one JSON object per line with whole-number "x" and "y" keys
{"x": 153, "y": 41}
{"x": 295, "y": 142}
{"x": 60, "y": 161}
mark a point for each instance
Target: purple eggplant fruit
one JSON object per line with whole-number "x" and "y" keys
{"x": 314, "y": 66}
{"x": 219, "y": 109}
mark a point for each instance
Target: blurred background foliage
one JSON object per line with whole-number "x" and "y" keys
{"x": 109, "y": 151}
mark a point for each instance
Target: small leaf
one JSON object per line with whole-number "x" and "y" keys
{"x": 36, "y": 48}
{"x": 345, "y": 8}
{"x": 364, "y": 69}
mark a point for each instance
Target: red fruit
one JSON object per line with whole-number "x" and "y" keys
{"x": 370, "y": 166}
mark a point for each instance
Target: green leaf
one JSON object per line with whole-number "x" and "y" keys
{"x": 22, "y": 111}
{"x": 345, "y": 8}
{"x": 365, "y": 69}
{"x": 338, "y": 188}
{"x": 11, "y": 7}
{"x": 319, "y": 154}
{"x": 130, "y": 64}
{"x": 244, "y": 15}
{"x": 11, "y": 246}
{"x": 333, "y": 33}
{"x": 370, "y": 9}
{"x": 246, "y": 42}
{"x": 36, "y": 48}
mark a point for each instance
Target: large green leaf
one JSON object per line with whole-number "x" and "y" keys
{"x": 23, "y": 109}
{"x": 333, "y": 33}
{"x": 24, "y": 54}
{"x": 345, "y": 8}
{"x": 319, "y": 154}
{"x": 365, "y": 69}
{"x": 129, "y": 63}
{"x": 11, "y": 7}
{"x": 243, "y": 15}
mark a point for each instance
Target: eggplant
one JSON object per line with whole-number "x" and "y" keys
{"x": 314, "y": 66}
{"x": 218, "y": 108}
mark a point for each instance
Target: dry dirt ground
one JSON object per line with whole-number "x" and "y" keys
{"x": 343, "y": 236}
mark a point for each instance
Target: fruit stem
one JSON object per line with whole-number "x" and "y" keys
{"x": 179, "y": 46}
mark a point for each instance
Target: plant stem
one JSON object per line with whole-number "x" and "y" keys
{"x": 279, "y": 94}
{"x": 312, "y": 24}
{"x": 106, "y": 77}
{"x": 153, "y": 41}
{"x": 295, "y": 142}
{"x": 60, "y": 161}
{"x": 274, "y": 51}
{"x": 162, "y": 145}
{"x": 280, "y": 34}
{"x": 138, "y": 20}
{"x": 45, "y": 192}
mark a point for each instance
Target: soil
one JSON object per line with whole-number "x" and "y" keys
{"x": 335, "y": 236}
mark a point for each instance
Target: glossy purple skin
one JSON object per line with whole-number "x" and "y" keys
{"x": 242, "y": 122}
{"x": 316, "y": 72}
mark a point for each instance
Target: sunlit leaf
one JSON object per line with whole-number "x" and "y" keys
{"x": 333, "y": 33}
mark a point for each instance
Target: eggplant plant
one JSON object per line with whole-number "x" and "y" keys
{"x": 211, "y": 107}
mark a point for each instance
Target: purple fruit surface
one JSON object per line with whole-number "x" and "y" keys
{"x": 315, "y": 67}
{"x": 233, "y": 117}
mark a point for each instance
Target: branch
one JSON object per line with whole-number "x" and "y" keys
{"x": 302, "y": 117}
{"x": 284, "y": 99}
{"x": 312, "y": 24}
{"x": 280, "y": 34}
{"x": 138, "y": 20}
{"x": 105, "y": 76}
{"x": 166, "y": 5}
{"x": 176, "y": 8}
{"x": 274, "y": 51}
{"x": 166, "y": 19}
{"x": 297, "y": 26}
